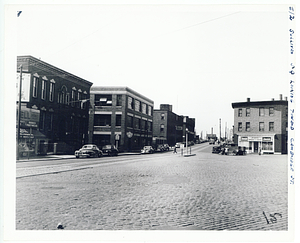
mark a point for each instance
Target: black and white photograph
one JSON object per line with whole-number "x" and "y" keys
{"x": 148, "y": 121}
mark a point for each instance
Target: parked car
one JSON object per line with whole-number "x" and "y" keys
{"x": 167, "y": 147}
{"x": 212, "y": 141}
{"x": 110, "y": 150}
{"x": 147, "y": 150}
{"x": 216, "y": 149}
{"x": 88, "y": 150}
{"x": 160, "y": 148}
{"x": 240, "y": 151}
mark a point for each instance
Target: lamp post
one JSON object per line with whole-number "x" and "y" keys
{"x": 19, "y": 112}
{"x": 186, "y": 139}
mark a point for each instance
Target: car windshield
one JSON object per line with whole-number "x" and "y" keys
{"x": 107, "y": 147}
{"x": 147, "y": 147}
{"x": 87, "y": 147}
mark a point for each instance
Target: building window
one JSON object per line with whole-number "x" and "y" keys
{"x": 118, "y": 120}
{"x": 137, "y": 123}
{"x": 119, "y": 100}
{"x": 149, "y": 126}
{"x": 162, "y": 127}
{"x": 240, "y": 127}
{"x": 137, "y": 104}
{"x": 43, "y": 94}
{"x": 149, "y": 110}
{"x": 102, "y": 120}
{"x": 261, "y": 111}
{"x": 144, "y": 108}
{"x": 248, "y": 126}
{"x": 35, "y": 86}
{"x": 51, "y": 92}
{"x": 271, "y": 126}
{"x": 130, "y": 103}
{"x": 67, "y": 98}
{"x": 42, "y": 120}
{"x": 261, "y": 126}
{"x": 143, "y": 125}
{"x": 78, "y": 99}
{"x": 73, "y": 98}
{"x": 130, "y": 121}
{"x": 271, "y": 111}
{"x": 247, "y": 111}
{"x": 51, "y": 122}
{"x": 162, "y": 116}
{"x": 240, "y": 112}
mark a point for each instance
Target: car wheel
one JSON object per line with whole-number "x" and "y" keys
{"x": 77, "y": 156}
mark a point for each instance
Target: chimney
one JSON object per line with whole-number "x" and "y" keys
{"x": 212, "y": 131}
{"x": 248, "y": 99}
{"x": 273, "y": 99}
{"x": 280, "y": 96}
{"x": 285, "y": 98}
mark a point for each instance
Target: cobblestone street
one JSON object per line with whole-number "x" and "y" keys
{"x": 202, "y": 192}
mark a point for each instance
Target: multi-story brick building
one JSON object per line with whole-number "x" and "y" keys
{"x": 170, "y": 128}
{"x": 261, "y": 125}
{"x": 53, "y": 116}
{"x": 120, "y": 116}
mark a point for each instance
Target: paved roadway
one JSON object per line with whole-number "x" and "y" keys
{"x": 163, "y": 191}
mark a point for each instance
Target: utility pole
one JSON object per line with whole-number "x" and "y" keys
{"x": 220, "y": 129}
{"x": 19, "y": 111}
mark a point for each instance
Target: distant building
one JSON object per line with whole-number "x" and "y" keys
{"x": 170, "y": 128}
{"x": 167, "y": 126}
{"x": 261, "y": 125}
{"x": 54, "y": 114}
{"x": 120, "y": 116}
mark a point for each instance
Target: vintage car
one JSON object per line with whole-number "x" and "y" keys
{"x": 216, "y": 149}
{"x": 88, "y": 150}
{"x": 147, "y": 150}
{"x": 167, "y": 147}
{"x": 110, "y": 150}
{"x": 160, "y": 148}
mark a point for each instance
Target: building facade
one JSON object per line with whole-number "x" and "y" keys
{"x": 171, "y": 128}
{"x": 54, "y": 108}
{"x": 120, "y": 116}
{"x": 261, "y": 126}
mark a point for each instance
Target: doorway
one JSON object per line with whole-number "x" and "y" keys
{"x": 255, "y": 147}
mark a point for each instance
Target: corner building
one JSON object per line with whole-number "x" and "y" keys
{"x": 261, "y": 125}
{"x": 54, "y": 109}
{"x": 120, "y": 116}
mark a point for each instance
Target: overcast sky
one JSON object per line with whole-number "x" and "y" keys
{"x": 199, "y": 59}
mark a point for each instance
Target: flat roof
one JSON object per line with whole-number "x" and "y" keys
{"x": 259, "y": 103}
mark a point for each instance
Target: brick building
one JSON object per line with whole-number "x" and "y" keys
{"x": 261, "y": 125}
{"x": 120, "y": 116}
{"x": 53, "y": 117}
{"x": 170, "y": 128}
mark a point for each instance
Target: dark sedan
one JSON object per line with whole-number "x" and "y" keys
{"x": 110, "y": 150}
{"x": 88, "y": 150}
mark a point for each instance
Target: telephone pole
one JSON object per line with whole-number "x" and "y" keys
{"x": 19, "y": 111}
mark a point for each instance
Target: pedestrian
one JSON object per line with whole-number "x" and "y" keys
{"x": 174, "y": 151}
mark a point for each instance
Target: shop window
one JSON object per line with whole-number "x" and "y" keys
{"x": 271, "y": 126}
{"x": 261, "y": 126}
{"x": 267, "y": 146}
{"x": 240, "y": 112}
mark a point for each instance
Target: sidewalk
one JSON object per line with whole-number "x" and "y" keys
{"x": 57, "y": 157}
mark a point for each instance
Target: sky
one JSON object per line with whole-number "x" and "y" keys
{"x": 198, "y": 58}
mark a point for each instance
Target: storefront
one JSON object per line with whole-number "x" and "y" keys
{"x": 258, "y": 144}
